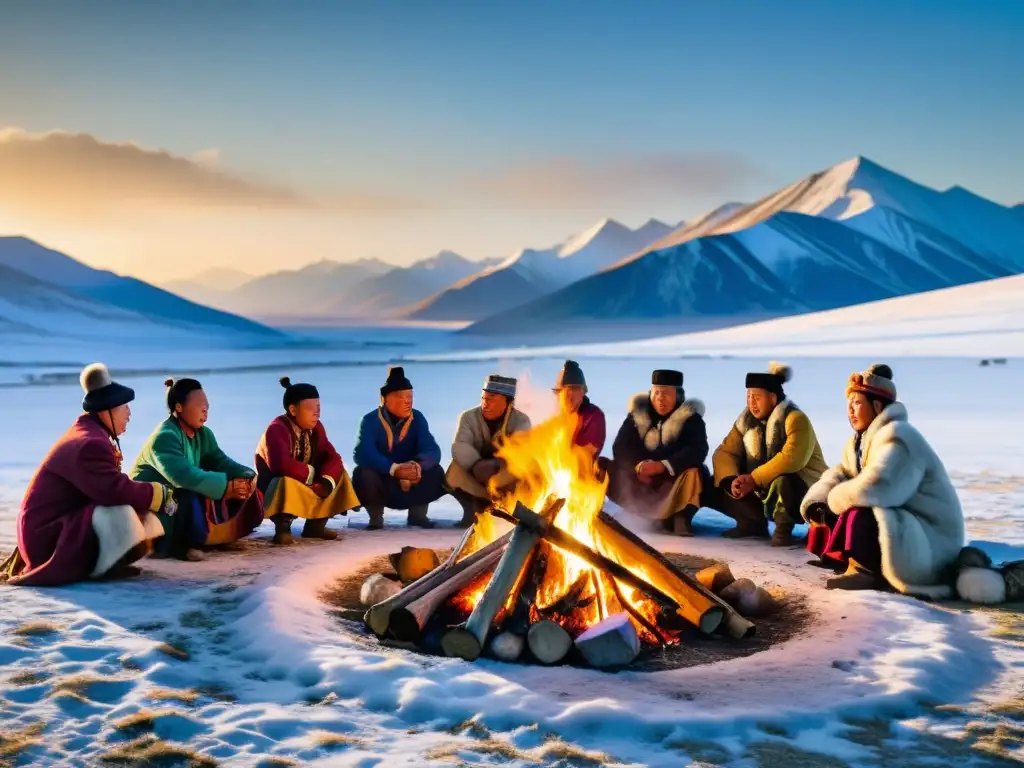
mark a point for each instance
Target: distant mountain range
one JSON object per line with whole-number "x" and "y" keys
{"x": 364, "y": 290}
{"x": 853, "y": 233}
{"x": 45, "y": 292}
{"x": 529, "y": 273}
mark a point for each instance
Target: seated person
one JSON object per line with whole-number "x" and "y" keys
{"x": 217, "y": 503}
{"x": 480, "y": 432}
{"x": 397, "y": 459}
{"x": 571, "y": 389}
{"x": 766, "y": 463}
{"x": 888, "y": 515}
{"x": 82, "y": 517}
{"x": 658, "y": 455}
{"x": 298, "y": 470}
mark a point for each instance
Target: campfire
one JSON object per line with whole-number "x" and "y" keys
{"x": 546, "y": 569}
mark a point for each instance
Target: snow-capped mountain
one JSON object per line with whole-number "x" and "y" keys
{"x": 853, "y": 233}
{"x": 531, "y": 273}
{"x": 143, "y": 300}
{"x": 383, "y": 295}
{"x": 210, "y": 286}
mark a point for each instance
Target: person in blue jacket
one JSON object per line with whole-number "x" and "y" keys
{"x": 398, "y": 462}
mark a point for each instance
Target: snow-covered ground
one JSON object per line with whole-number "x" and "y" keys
{"x": 269, "y": 673}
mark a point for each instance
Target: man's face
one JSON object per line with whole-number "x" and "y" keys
{"x": 195, "y": 410}
{"x": 663, "y": 399}
{"x": 399, "y": 404}
{"x": 306, "y": 414}
{"x": 570, "y": 397}
{"x": 861, "y": 411}
{"x": 117, "y": 419}
{"x": 761, "y": 402}
{"x": 493, "y": 405}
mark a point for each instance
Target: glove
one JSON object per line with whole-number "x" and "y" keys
{"x": 321, "y": 489}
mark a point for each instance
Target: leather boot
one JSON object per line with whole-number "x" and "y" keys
{"x": 747, "y": 530}
{"x": 317, "y": 529}
{"x": 376, "y": 518}
{"x": 856, "y": 577}
{"x": 418, "y": 517}
{"x": 783, "y": 536}
{"x": 282, "y": 530}
{"x": 682, "y": 521}
{"x": 469, "y": 510}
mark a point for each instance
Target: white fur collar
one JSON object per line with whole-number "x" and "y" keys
{"x": 641, "y": 410}
{"x": 774, "y": 430}
{"x": 890, "y": 417}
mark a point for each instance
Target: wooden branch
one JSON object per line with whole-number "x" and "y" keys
{"x": 407, "y": 622}
{"x": 450, "y": 561}
{"x": 639, "y": 617}
{"x": 627, "y": 544}
{"x": 377, "y": 617}
{"x": 468, "y": 642}
{"x": 548, "y": 641}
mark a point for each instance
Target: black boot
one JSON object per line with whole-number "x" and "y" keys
{"x": 682, "y": 521}
{"x": 376, "y": 518}
{"x": 418, "y": 517}
{"x": 783, "y": 536}
{"x": 747, "y": 530}
{"x": 470, "y": 507}
{"x": 317, "y": 529}
{"x": 282, "y": 530}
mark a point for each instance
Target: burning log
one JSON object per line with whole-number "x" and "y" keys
{"x": 629, "y": 544}
{"x": 508, "y": 646}
{"x": 610, "y": 643}
{"x": 573, "y": 598}
{"x": 377, "y": 617}
{"x": 548, "y": 641}
{"x": 467, "y": 642}
{"x": 407, "y": 622}
{"x": 700, "y": 611}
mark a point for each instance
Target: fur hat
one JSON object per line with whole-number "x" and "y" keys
{"x": 666, "y": 378}
{"x": 778, "y": 374}
{"x": 396, "y": 381}
{"x": 875, "y": 382}
{"x": 296, "y": 393}
{"x": 571, "y": 375}
{"x": 102, "y": 393}
{"x": 500, "y": 385}
{"x": 178, "y": 391}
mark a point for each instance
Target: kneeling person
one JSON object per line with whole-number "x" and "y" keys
{"x": 217, "y": 503}
{"x": 766, "y": 463}
{"x": 298, "y": 470}
{"x": 477, "y": 437}
{"x": 658, "y": 455}
{"x": 81, "y": 516}
{"x": 397, "y": 459}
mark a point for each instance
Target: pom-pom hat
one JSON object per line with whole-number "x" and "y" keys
{"x": 875, "y": 381}
{"x": 102, "y": 393}
{"x": 772, "y": 381}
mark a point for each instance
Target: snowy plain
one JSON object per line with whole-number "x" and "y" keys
{"x": 270, "y": 674}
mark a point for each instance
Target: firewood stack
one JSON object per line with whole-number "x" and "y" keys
{"x": 486, "y": 601}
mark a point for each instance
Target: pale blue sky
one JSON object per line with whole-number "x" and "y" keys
{"x": 462, "y": 105}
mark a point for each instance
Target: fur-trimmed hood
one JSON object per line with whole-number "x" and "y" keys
{"x": 657, "y": 433}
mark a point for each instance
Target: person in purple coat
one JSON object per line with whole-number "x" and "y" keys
{"x": 571, "y": 388}
{"x": 81, "y": 516}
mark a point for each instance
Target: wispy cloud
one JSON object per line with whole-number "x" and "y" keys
{"x": 66, "y": 173}
{"x": 569, "y": 182}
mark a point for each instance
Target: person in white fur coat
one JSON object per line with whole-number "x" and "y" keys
{"x": 888, "y": 514}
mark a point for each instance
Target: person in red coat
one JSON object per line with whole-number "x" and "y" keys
{"x": 298, "y": 471}
{"x": 571, "y": 388}
{"x": 81, "y": 516}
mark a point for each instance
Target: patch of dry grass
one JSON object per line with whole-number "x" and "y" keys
{"x": 188, "y": 696}
{"x": 142, "y": 721}
{"x": 1002, "y": 741}
{"x": 774, "y": 754}
{"x": 1012, "y": 708}
{"x": 80, "y": 685}
{"x": 216, "y": 692}
{"x": 276, "y": 762}
{"x": 36, "y": 629}
{"x": 28, "y": 677}
{"x": 704, "y": 751}
{"x": 13, "y": 743}
{"x": 151, "y": 751}
{"x": 174, "y": 652}
{"x": 487, "y": 748}
{"x": 331, "y": 740}
{"x": 562, "y": 753}
{"x": 470, "y": 728}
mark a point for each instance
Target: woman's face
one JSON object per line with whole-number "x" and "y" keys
{"x": 195, "y": 411}
{"x": 306, "y": 414}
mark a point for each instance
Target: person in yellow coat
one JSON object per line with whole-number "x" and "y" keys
{"x": 767, "y": 461}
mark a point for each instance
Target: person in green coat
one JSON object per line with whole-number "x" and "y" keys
{"x": 217, "y": 498}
